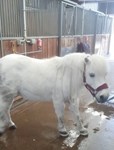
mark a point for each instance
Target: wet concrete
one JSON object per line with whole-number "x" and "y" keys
{"x": 37, "y": 126}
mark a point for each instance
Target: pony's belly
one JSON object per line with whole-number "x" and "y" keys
{"x": 35, "y": 96}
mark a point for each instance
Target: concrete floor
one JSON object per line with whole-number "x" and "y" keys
{"x": 37, "y": 127}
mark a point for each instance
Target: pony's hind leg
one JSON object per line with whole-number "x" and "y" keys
{"x": 11, "y": 124}
{"x": 3, "y": 116}
{"x": 5, "y": 121}
{"x": 6, "y": 101}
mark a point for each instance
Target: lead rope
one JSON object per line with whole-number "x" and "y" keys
{"x": 111, "y": 99}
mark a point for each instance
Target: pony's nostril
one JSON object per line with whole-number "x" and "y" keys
{"x": 102, "y": 97}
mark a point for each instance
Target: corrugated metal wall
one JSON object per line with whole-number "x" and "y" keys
{"x": 42, "y": 17}
{"x": 39, "y": 17}
{"x": 11, "y": 15}
{"x": 84, "y": 21}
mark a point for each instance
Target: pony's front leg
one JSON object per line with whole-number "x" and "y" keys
{"x": 74, "y": 109}
{"x": 59, "y": 110}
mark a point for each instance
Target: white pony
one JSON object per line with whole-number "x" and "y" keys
{"x": 58, "y": 79}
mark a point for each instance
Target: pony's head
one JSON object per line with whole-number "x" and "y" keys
{"x": 94, "y": 77}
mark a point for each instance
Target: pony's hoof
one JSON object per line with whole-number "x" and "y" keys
{"x": 63, "y": 133}
{"x": 13, "y": 127}
{"x": 84, "y": 132}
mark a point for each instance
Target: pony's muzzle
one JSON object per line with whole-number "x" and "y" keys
{"x": 102, "y": 98}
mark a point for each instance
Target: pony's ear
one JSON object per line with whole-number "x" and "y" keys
{"x": 87, "y": 60}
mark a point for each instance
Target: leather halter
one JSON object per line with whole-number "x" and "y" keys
{"x": 90, "y": 88}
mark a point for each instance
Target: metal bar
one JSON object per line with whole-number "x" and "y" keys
{"x": 24, "y": 18}
{"x": 95, "y": 30}
{"x": 1, "y": 36}
{"x": 60, "y": 26}
{"x": 24, "y": 21}
{"x": 110, "y": 38}
{"x": 32, "y": 52}
{"x": 83, "y": 13}
{"x": 11, "y": 38}
{"x": 93, "y": 1}
{"x": 70, "y": 2}
{"x": 29, "y": 37}
{"x": 75, "y": 23}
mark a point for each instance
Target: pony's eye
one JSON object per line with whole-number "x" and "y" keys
{"x": 92, "y": 75}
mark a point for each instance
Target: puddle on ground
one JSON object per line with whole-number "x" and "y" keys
{"x": 70, "y": 141}
{"x": 98, "y": 116}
